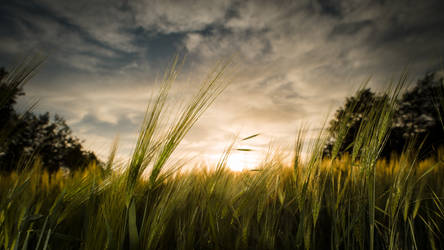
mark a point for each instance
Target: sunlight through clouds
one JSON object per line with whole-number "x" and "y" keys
{"x": 295, "y": 60}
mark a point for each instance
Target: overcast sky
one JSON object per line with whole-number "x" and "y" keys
{"x": 294, "y": 60}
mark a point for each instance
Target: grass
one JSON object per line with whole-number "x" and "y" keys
{"x": 356, "y": 201}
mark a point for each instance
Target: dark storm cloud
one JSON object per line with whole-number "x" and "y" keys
{"x": 295, "y": 58}
{"x": 393, "y": 23}
{"x": 41, "y": 26}
{"x": 25, "y": 17}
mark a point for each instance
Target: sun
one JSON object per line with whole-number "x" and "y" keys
{"x": 239, "y": 161}
{"x": 235, "y": 163}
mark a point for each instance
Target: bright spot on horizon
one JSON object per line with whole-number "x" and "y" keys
{"x": 240, "y": 160}
{"x": 294, "y": 61}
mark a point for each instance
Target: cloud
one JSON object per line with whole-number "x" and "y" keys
{"x": 75, "y": 34}
{"x": 91, "y": 124}
{"x": 178, "y": 16}
{"x": 294, "y": 60}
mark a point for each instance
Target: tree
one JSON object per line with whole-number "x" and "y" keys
{"x": 416, "y": 116}
{"x": 353, "y": 113}
{"x": 28, "y": 135}
{"x": 8, "y": 95}
{"x": 52, "y": 141}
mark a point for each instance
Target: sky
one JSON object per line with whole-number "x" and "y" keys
{"x": 294, "y": 62}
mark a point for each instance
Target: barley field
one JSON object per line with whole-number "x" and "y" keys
{"x": 346, "y": 201}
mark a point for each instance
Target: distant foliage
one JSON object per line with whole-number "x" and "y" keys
{"x": 8, "y": 95}
{"x": 28, "y": 135}
{"x": 354, "y": 113}
{"x": 417, "y": 117}
{"x": 418, "y": 114}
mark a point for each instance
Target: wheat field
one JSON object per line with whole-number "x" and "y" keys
{"x": 355, "y": 201}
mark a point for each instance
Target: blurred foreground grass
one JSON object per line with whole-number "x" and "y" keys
{"x": 275, "y": 207}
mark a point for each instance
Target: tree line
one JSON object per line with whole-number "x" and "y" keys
{"x": 27, "y": 137}
{"x": 417, "y": 117}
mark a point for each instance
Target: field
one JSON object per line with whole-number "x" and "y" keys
{"x": 356, "y": 201}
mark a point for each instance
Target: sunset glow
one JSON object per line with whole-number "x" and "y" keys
{"x": 294, "y": 61}
{"x": 221, "y": 124}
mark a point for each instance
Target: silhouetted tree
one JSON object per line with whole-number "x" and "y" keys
{"x": 416, "y": 116}
{"x": 28, "y": 135}
{"x": 8, "y": 97}
{"x": 353, "y": 113}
